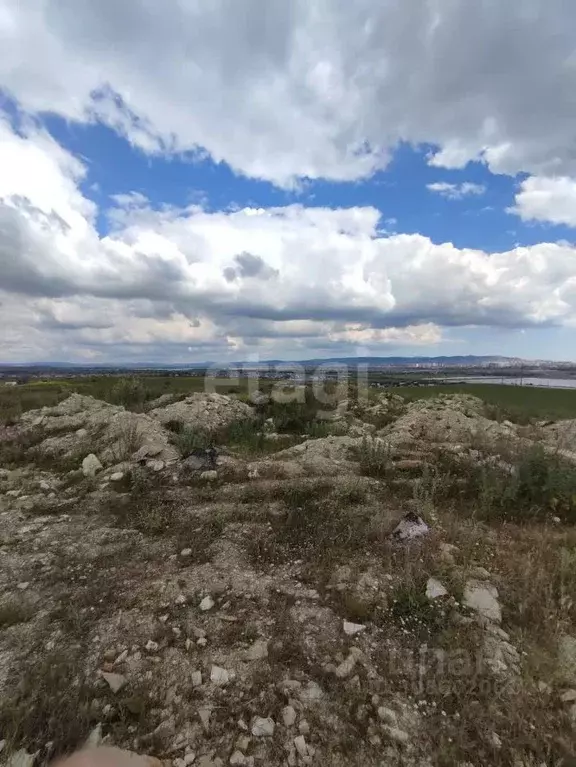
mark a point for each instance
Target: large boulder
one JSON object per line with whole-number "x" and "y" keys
{"x": 204, "y": 412}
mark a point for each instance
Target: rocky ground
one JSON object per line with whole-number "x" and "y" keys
{"x": 376, "y": 595}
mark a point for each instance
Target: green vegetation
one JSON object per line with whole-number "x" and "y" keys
{"x": 374, "y": 458}
{"x": 514, "y": 402}
{"x": 527, "y": 486}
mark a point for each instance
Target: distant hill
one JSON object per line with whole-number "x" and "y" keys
{"x": 469, "y": 360}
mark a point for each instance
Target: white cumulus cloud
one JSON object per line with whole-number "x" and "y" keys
{"x": 265, "y": 281}
{"x": 550, "y": 200}
{"x": 326, "y": 89}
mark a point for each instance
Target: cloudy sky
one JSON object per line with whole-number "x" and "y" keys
{"x": 194, "y": 180}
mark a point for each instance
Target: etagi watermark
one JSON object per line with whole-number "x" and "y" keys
{"x": 328, "y": 384}
{"x": 432, "y": 671}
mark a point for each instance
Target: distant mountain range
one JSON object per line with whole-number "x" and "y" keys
{"x": 469, "y": 360}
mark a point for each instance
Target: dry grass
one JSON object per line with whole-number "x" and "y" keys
{"x": 48, "y": 703}
{"x": 13, "y": 612}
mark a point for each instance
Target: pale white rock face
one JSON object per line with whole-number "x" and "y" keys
{"x": 91, "y": 465}
{"x": 482, "y": 597}
{"x": 206, "y": 604}
{"x": 351, "y": 629}
{"x": 263, "y": 728}
{"x": 115, "y": 681}
{"x": 219, "y": 676}
{"x": 435, "y": 589}
{"x": 204, "y": 411}
{"x": 289, "y": 716}
{"x": 258, "y": 651}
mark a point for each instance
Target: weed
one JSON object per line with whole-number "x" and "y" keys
{"x": 50, "y": 702}
{"x": 414, "y": 612}
{"x": 188, "y": 440}
{"x": 374, "y": 457}
{"x": 130, "y": 392}
{"x": 129, "y": 439}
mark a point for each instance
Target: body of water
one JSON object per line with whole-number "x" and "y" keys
{"x": 548, "y": 383}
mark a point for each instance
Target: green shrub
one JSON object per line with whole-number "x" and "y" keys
{"x": 187, "y": 440}
{"x": 129, "y": 392}
{"x": 539, "y": 484}
{"x": 374, "y": 458}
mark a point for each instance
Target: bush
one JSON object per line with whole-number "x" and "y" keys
{"x": 374, "y": 458}
{"x": 188, "y": 440}
{"x": 129, "y": 392}
{"x": 529, "y": 486}
{"x": 538, "y": 485}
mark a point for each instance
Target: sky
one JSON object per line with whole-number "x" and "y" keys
{"x": 220, "y": 180}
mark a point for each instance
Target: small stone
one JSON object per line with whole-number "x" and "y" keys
{"x": 2, "y": 745}
{"x": 202, "y": 642}
{"x": 301, "y": 747}
{"x": 495, "y": 740}
{"x": 351, "y": 629}
{"x": 115, "y": 681}
{"x": 482, "y": 597}
{"x": 121, "y": 658}
{"x": 568, "y": 697}
{"x": 155, "y": 465}
{"x": 288, "y": 716}
{"x": 435, "y": 589}
{"x": 204, "y": 715}
{"x": 387, "y": 716}
{"x": 151, "y": 646}
{"x": 258, "y": 651}
{"x": 263, "y": 728}
{"x": 91, "y": 466}
{"x": 21, "y": 759}
{"x": 567, "y": 659}
{"x": 397, "y": 735}
{"x": 180, "y": 600}
{"x": 209, "y": 476}
{"x": 189, "y": 758}
{"x": 196, "y": 678}
{"x": 23, "y": 586}
{"x": 185, "y": 553}
{"x": 311, "y": 693}
{"x": 347, "y": 666}
{"x": 237, "y": 758}
{"x": 219, "y": 676}
{"x": 303, "y": 727}
{"x": 207, "y": 604}
{"x": 118, "y": 476}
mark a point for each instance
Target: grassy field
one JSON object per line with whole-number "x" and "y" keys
{"x": 37, "y": 394}
{"x": 527, "y": 401}
{"x": 514, "y": 402}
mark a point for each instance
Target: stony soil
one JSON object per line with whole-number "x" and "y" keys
{"x": 261, "y": 612}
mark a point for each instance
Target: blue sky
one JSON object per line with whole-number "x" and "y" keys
{"x": 400, "y": 192}
{"x": 286, "y": 180}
